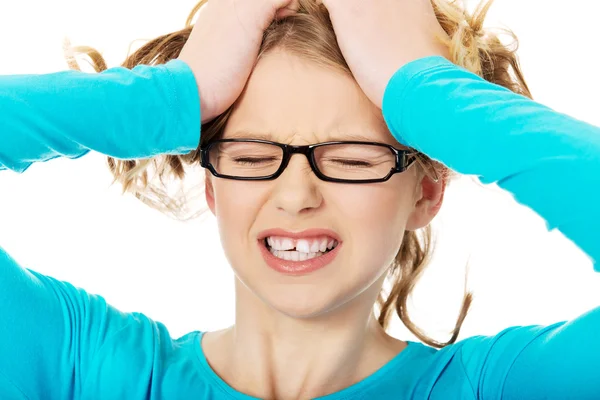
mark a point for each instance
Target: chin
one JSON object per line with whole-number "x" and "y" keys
{"x": 302, "y": 302}
{"x": 323, "y": 293}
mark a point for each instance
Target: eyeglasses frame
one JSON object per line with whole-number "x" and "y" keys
{"x": 403, "y": 160}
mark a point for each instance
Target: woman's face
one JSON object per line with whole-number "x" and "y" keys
{"x": 293, "y": 101}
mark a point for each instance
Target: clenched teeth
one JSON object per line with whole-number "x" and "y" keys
{"x": 299, "y": 249}
{"x": 307, "y": 246}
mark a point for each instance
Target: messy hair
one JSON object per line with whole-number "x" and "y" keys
{"x": 309, "y": 34}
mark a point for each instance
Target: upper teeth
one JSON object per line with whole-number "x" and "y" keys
{"x": 302, "y": 245}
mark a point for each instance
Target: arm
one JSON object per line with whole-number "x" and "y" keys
{"x": 549, "y": 162}
{"x": 122, "y": 113}
{"x": 554, "y": 362}
{"x": 50, "y": 330}
{"x": 49, "y": 333}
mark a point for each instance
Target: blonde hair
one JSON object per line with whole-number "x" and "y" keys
{"x": 310, "y": 34}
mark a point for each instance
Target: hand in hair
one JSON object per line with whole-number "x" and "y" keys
{"x": 223, "y": 47}
{"x": 378, "y": 37}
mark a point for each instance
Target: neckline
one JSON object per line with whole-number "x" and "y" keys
{"x": 346, "y": 393}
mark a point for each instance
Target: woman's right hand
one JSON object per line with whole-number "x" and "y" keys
{"x": 223, "y": 47}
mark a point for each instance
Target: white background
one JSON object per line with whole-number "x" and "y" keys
{"x": 64, "y": 219}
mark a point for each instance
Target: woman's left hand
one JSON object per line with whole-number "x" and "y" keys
{"x": 379, "y": 37}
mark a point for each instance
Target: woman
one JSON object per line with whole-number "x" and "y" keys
{"x": 310, "y": 236}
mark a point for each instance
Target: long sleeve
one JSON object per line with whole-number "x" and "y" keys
{"x": 123, "y": 113}
{"x": 549, "y": 162}
{"x": 50, "y": 331}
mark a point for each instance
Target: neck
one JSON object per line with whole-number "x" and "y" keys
{"x": 268, "y": 354}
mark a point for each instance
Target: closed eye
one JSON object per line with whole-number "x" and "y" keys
{"x": 254, "y": 160}
{"x": 344, "y": 162}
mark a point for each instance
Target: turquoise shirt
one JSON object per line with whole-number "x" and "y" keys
{"x": 60, "y": 342}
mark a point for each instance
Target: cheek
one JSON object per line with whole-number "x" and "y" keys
{"x": 377, "y": 208}
{"x": 374, "y": 218}
{"x": 237, "y": 205}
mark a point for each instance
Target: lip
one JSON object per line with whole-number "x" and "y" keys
{"x": 296, "y": 268}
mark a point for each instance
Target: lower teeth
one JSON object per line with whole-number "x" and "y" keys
{"x": 294, "y": 255}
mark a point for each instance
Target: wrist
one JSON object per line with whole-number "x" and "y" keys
{"x": 206, "y": 112}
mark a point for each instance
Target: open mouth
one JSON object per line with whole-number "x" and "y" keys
{"x": 299, "y": 249}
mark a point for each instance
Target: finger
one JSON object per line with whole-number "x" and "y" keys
{"x": 287, "y": 8}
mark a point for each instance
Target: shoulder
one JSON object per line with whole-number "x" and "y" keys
{"x": 138, "y": 356}
{"x": 485, "y": 361}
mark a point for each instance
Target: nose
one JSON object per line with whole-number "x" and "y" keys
{"x": 297, "y": 189}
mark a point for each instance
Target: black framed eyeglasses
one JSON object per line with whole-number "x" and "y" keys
{"x": 343, "y": 162}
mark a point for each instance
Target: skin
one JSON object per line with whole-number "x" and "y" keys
{"x": 224, "y": 43}
{"x": 223, "y": 46}
{"x": 307, "y": 336}
{"x": 392, "y": 33}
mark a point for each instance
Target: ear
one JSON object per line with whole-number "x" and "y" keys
{"x": 428, "y": 201}
{"x": 209, "y": 191}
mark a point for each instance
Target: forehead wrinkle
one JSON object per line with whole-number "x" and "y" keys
{"x": 260, "y": 135}
{"x": 337, "y": 136}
